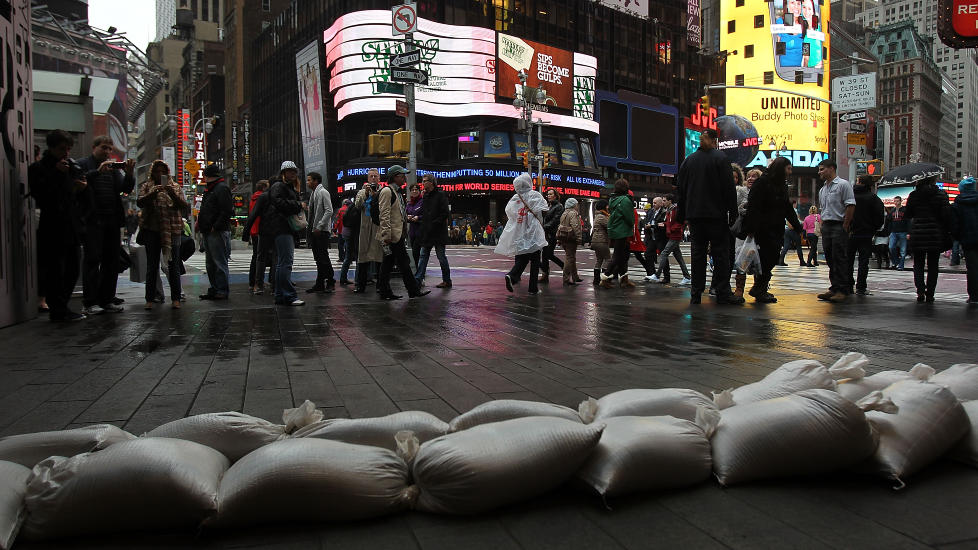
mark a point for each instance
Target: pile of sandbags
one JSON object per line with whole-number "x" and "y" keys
{"x": 378, "y": 432}
{"x": 29, "y": 449}
{"x": 13, "y": 486}
{"x": 793, "y": 377}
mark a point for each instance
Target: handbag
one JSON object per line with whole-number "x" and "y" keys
{"x": 818, "y": 225}
{"x": 298, "y": 222}
{"x": 565, "y": 233}
{"x": 137, "y": 271}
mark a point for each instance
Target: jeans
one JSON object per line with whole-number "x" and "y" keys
{"x": 217, "y": 244}
{"x": 812, "y": 249}
{"x": 548, "y": 256}
{"x": 446, "y": 273}
{"x": 352, "y": 246}
{"x": 792, "y": 240}
{"x": 956, "y": 253}
{"x": 864, "y": 247}
{"x": 835, "y": 243}
{"x": 898, "y": 249}
{"x": 324, "y": 265}
{"x": 533, "y": 259}
{"x": 154, "y": 249}
{"x": 285, "y": 250}
{"x": 715, "y": 234}
{"x": 101, "y": 264}
{"x": 341, "y": 247}
{"x": 672, "y": 247}
{"x": 397, "y": 256}
{"x": 971, "y": 262}
{"x": 931, "y": 258}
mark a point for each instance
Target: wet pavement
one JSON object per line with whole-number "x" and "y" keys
{"x": 356, "y": 356}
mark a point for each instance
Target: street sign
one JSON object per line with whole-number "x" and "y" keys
{"x": 401, "y": 108}
{"x": 854, "y": 92}
{"x": 856, "y": 139}
{"x": 406, "y": 59}
{"x": 191, "y": 166}
{"x": 851, "y": 116}
{"x": 857, "y": 126}
{"x": 404, "y": 19}
{"x": 856, "y": 152}
{"x": 390, "y": 88}
{"x": 417, "y": 76}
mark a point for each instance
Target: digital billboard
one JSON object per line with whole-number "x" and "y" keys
{"x": 311, "y": 109}
{"x": 781, "y": 46}
{"x": 544, "y": 66}
{"x": 461, "y": 63}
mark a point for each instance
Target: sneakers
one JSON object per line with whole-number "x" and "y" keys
{"x": 509, "y": 284}
{"x": 420, "y": 294}
{"x": 315, "y": 290}
{"x": 93, "y": 310}
{"x": 68, "y": 317}
{"x": 390, "y": 297}
{"x": 112, "y": 308}
{"x": 685, "y": 282}
{"x": 651, "y": 279}
{"x": 297, "y": 302}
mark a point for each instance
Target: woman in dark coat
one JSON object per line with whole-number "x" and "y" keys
{"x": 551, "y": 219}
{"x": 929, "y": 212}
{"x": 768, "y": 206}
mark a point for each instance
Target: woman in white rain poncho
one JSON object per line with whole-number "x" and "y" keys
{"x": 523, "y": 236}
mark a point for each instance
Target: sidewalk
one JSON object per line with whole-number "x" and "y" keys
{"x": 356, "y": 356}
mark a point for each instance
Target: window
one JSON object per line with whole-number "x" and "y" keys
{"x": 769, "y": 77}
{"x": 204, "y": 12}
{"x": 758, "y": 21}
{"x": 740, "y": 3}
{"x": 799, "y": 77}
{"x": 749, "y": 50}
{"x": 266, "y": 5}
{"x": 216, "y": 11}
{"x": 468, "y": 145}
{"x": 739, "y": 80}
{"x": 731, "y": 26}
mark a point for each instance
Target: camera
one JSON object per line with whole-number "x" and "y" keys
{"x": 118, "y": 165}
{"x": 75, "y": 171}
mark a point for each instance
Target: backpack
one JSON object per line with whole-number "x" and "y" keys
{"x": 351, "y": 218}
{"x": 374, "y": 205}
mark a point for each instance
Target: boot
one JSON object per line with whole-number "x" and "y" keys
{"x": 597, "y": 277}
{"x": 741, "y": 280}
{"x": 623, "y": 282}
{"x": 544, "y": 278}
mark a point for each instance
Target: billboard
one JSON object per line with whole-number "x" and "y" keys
{"x": 631, "y": 7}
{"x": 544, "y": 66}
{"x": 782, "y": 46}
{"x": 461, "y": 63}
{"x": 311, "y": 109}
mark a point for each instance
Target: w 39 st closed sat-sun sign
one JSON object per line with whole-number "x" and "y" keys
{"x": 957, "y": 23}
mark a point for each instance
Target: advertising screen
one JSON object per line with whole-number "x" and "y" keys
{"x": 781, "y": 45}
{"x": 461, "y": 64}
{"x": 545, "y": 66}
{"x": 311, "y": 109}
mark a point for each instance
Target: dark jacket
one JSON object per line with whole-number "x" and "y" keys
{"x": 966, "y": 214}
{"x": 63, "y": 206}
{"x": 659, "y": 232}
{"x": 216, "y": 208}
{"x": 706, "y": 187}
{"x": 896, "y": 221}
{"x": 106, "y": 193}
{"x": 768, "y": 207}
{"x": 869, "y": 214}
{"x": 284, "y": 202}
{"x": 551, "y": 220}
{"x": 930, "y": 212}
{"x": 434, "y": 218}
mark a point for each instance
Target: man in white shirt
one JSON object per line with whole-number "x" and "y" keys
{"x": 838, "y": 205}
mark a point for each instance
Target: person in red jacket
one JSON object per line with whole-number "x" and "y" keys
{"x": 635, "y": 243}
{"x": 338, "y": 230}
{"x": 254, "y": 282}
{"x": 674, "y": 232}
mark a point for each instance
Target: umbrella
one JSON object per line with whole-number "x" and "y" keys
{"x": 911, "y": 173}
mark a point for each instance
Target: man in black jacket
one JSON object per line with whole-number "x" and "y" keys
{"x": 214, "y": 223}
{"x": 61, "y": 195}
{"x": 103, "y": 241}
{"x": 707, "y": 200}
{"x": 867, "y": 220}
{"x": 434, "y": 230}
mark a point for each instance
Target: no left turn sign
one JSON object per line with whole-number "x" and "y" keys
{"x": 405, "y": 19}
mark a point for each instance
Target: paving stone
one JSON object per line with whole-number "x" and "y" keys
{"x": 458, "y": 393}
{"x": 315, "y": 386}
{"x": 366, "y": 400}
{"x": 398, "y": 383}
{"x": 220, "y": 394}
{"x": 157, "y": 410}
{"x": 19, "y": 404}
{"x": 268, "y": 403}
{"x": 435, "y": 406}
{"x": 48, "y": 416}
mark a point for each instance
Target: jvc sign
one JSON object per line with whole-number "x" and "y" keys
{"x": 854, "y": 92}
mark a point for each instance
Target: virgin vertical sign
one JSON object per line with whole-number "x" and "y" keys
{"x": 183, "y": 131}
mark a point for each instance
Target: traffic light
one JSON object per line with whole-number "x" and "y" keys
{"x": 705, "y": 101}
{"x": 869, "y": 168}
{"x": 526, "y": 159}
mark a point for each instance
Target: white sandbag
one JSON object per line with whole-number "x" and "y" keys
{"x": 147, "y": 483}
{"x": 312, "y": 479}
{"x": 961, "y": 379}
{"x": 643, "y": 453}
{"x": 301, "y": 416}
{"x": 232, "y": 433}
{"x": 967, "y": 449}
{"x": 676, "y": 402}
{"x": 804, "y": 374}
{"x": 377, "y": 432}
{"x": 808, "y": 432}
{"x": 855, "y": 389}
{"x": 508, "y": 409}
{"x": 930, "y": 421}
{"x": 13, "y": 485}
{"x": 495, "y": 464}
{"x": 29, "y": 449}
{"x": 850, "y": 365}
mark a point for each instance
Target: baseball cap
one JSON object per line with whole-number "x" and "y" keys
{"x": 397, "y": 169}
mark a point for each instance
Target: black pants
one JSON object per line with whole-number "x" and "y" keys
{"x": 548, "y": 256}
{"x": 769, "y": 251}
{"x": 58, "y": 258}
{"x": 324, "y": 265}
{"x": 363, "y": 274}
{"x": 619, "y": 258}
{"x": 835, "y": 244}
{"x": 397, "y": 256}
{"x": 262, "y": 256}
{"x": 864, "y": 247}
{"x": 644, "y": 260}
{"x": 351, "y": 245}
{"x": 519, "y": 266}
{"x": 971, "y": 263}
{"x": 102, "y": 246}
{"x": 154, "y": 248}
{"x": 812, "y": 248}
{"x": 716, "y": 235}
{"x": 931, "y": 257}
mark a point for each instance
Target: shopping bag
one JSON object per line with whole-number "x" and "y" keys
{"x": 748, "y": 260}
{"x": 137, "y": 270}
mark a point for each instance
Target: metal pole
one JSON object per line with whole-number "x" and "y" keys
{"x": 539, "y": 149}
{"x": 412, "y": 164}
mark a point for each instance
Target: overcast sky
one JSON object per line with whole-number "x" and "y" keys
{"x": 136, "y": 18}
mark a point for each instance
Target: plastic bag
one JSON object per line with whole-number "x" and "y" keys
{"x": 508, "y": 409}
{"x": 378, "y": 432}
{"x": 301, "y": 416}
{"x": 642, "y": 453}
{"x": 312, "y": 480}
{"x": 677, "y": 402}
{"x": 804, "y": 374}
{"x": 967, "y": 449}
{"x": 930, "y": 421}
{"x": 809, "y": 432}
{"x": 855, "y": 389}
{"x": 491, "y": 465}
{"x": 29, "y": 449}
{"x": 147, "y": 483}
{"x": 961, "y": 379}
{"x": 524, "y": 232}
{"x": 13, "y": 485}
{"x": 232, "y": 433}
{"x": 748, "y": 259}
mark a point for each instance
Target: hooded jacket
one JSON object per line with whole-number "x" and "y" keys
{"x": 254, "y": 228}
{"x": 869, "y": 214}
{"x": 216, "y": 208}
{"x": 621, "y": 217}
{"x": 283, "y": 202}
{"x": 930, "y": 213}
{"x": 966, "y": 214}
